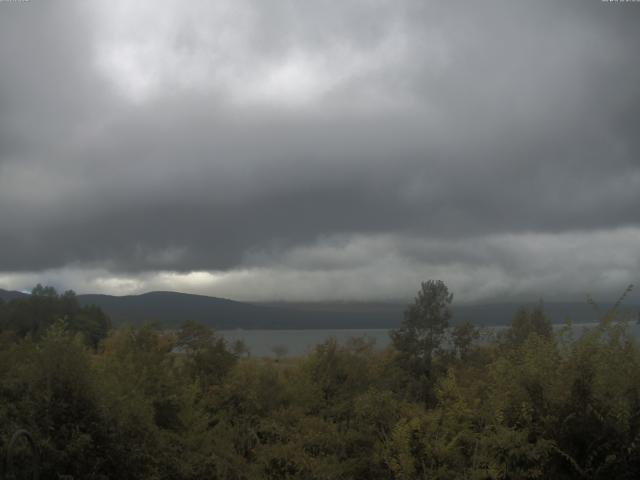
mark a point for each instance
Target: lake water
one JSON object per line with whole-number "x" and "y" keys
{"x": 299, "y": 342}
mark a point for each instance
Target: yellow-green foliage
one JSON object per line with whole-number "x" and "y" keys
{"x": 182, "y": 405}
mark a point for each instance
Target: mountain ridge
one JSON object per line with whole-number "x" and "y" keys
{"x": 169, "y": 309}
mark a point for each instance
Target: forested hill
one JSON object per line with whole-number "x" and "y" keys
{"x": 8, "y": 295}
{"x": 172, "y": 308}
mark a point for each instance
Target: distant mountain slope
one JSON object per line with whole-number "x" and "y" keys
{"x": 7, "y": 295}
{"x": 172, "y": 308}
{"x": 390, "y": 315}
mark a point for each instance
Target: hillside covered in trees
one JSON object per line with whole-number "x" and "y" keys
{"x": 139, "y": 402}
{"x": 170, "y": 309}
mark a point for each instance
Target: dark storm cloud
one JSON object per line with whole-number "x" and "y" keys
{"x": 427, "y": 123}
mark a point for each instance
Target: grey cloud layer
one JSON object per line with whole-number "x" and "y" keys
{"x": 388, "y": 267}
{"x": 231, "y": 135}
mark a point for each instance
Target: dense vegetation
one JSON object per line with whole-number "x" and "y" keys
{"x": 146, "y": 403}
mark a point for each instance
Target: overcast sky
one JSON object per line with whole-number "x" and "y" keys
{"x": 321, "y": 150}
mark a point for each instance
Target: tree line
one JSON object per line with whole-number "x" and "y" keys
{"x": 530, "y": 402}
